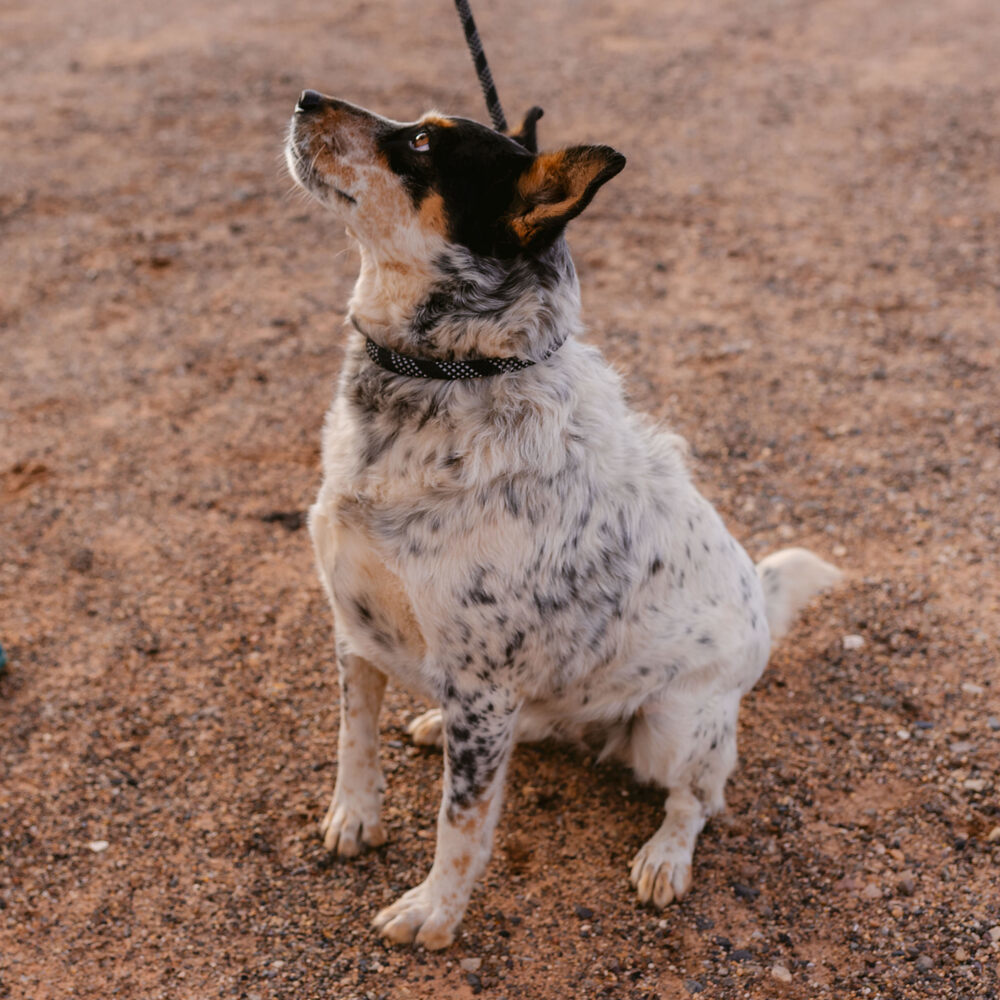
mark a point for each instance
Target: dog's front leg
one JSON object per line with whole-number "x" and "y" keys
{"x": 478, "y": 737}
{"x": 354, "y": 817}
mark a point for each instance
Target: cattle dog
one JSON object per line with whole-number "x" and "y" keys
{"x": 496, "y": 530}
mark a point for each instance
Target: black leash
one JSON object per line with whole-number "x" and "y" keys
{"x": 482, "y": 66}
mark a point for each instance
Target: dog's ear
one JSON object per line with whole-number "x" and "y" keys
{"x": 557, "y": 187}
{"x": 527, "y": 134}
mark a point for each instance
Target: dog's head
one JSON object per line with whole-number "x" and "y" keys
{"x": 407, "y": 190}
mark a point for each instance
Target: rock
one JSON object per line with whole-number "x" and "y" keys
{"x": 993, "y": 836}
{"x": 974, "y": 784}
{"x": 994, "y": 723}
{"x": 471, "y": 964}
{"x": 925, "y": 963}
{"x": 583, "y": 912}
{"x": 995, "y": 934}
{"x": 693, "y": 986}
{"x": 82, "y": 560}
{"x": 781, "y": 973}
{"x": 741, "y": 955}
{"x": 969, "y": 688}
{"x": 853, "y": 642}
{"x": 962, "y": 747}
{"x": 871, "y": 891}
{"x": 961, "y": 955}
{"x": 849, "y": 883}
{"x": 907, "y": 884}
{"x": 98, "y": 846}
{"x": 745, "y": 891}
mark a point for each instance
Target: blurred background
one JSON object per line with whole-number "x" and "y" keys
{"x": 798, "y": 270}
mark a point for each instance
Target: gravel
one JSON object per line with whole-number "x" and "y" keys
{"x": 797, "y": 271}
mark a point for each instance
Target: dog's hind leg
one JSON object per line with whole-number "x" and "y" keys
{"x": 479, "y": 736}
{"x": 692, "y": 752}
{"x": 427, "y": 729}
{"x": 354, "y": 817}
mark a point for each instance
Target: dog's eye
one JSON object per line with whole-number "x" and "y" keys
{"x": 421, "y": 142}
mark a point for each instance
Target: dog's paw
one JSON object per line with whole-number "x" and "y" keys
{"x": 348, "y": 827}
{"x": 661, "y": 871}
{"x": 426, "y": 730}
{"x": 419, "y": 917}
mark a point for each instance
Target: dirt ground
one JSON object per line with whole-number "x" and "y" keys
{"x": 798, "y": 270}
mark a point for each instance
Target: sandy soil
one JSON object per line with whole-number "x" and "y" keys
{"x": 798, "y": 270}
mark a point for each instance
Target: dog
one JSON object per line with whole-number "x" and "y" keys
{"x": 496, "y": 530}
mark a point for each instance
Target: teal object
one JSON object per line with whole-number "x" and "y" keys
{"x": 3, "y": 660}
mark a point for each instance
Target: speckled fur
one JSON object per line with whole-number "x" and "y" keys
{"x": 522, "y": 550}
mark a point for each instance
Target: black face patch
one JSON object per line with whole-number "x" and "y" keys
{"x": 475, "y": 171}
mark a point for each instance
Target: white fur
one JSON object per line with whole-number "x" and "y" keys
{"x": 798, "y": 575}
{"x": 530, "y": 554}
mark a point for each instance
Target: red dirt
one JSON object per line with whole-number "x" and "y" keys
{"x": 798, "y": 270}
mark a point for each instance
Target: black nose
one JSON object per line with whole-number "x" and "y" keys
{"x": 309, "y": 100}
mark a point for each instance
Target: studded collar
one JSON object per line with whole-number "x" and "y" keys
{"x": 431, "y": 368}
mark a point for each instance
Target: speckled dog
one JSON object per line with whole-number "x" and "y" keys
{"x": 496, "y": 530}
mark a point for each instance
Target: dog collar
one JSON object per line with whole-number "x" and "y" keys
{"x": 403, "y": 364}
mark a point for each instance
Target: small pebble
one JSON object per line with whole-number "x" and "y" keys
{"x": 471, "y": 964}
{"x": 961, "y": 955}
{"x": 961, "y": 747}
{"x": 994, "y": 723}
{"x": 993, "y": 836}
{"x": 839, "y": 551}
{"x": 872, "y": 891}
{"x": 969, "y": 688}
{"x": 82, "y": 560}
{"x": 995, "y": 934}
{"x": 907, "y": 884}
{"x": 853, "y": 642}
{"x": 693, "y": 986}
{"x": 97, "y": 846}
{"x": 925, "y": 963}
{"x": 741, "y": 955}
{"x": 745, "y": 891}
{"x": 781, "y": 974}
{"x": 583, "y": 912}
{"x": 975, "y": 784}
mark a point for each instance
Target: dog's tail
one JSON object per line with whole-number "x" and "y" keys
{"x": 791, "y": 579}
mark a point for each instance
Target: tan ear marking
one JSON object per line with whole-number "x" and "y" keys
{"x": 558, "y": 186}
